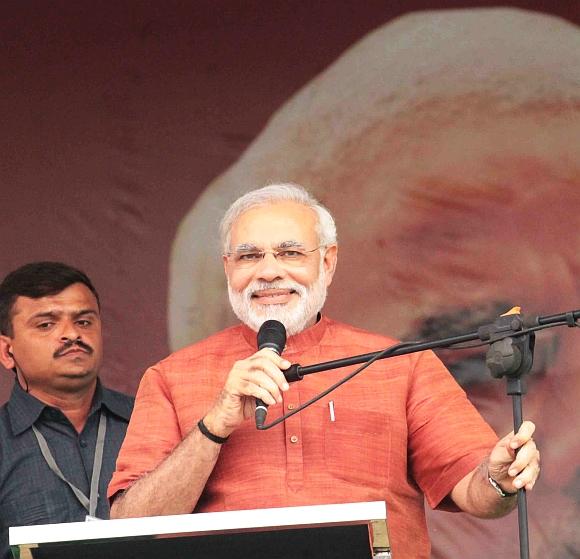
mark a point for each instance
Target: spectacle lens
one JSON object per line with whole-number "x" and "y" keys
{"x": 286, "y": 256}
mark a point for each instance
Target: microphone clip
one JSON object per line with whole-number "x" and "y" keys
{"x": 293, "y": 373}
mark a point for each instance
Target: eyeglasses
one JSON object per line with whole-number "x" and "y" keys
{"x": 294, "y": 257}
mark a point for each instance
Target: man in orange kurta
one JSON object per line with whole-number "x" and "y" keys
{"x": 399, "y": 431}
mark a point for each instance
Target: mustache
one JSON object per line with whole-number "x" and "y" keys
{"x": 70, "y": 343}
{"x": 260, "y": 285}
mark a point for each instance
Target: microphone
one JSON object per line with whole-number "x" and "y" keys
{"x": 272, "y": 334}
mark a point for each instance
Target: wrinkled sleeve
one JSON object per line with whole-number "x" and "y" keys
{"x": 448, "y": 437}
{"x": 152, "y": 434}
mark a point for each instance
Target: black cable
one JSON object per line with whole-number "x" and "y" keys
{"x": 380, "y": 355}
{"x": 386, "y": 353}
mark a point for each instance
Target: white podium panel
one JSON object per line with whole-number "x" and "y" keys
{"x": 335, "y": 531}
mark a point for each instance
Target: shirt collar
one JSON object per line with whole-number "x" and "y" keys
{"x": 294, "y": 344}
{"x": 24, "y": 409}
{"x": 115, "y": 402}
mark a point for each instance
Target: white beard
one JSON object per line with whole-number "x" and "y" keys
{"x": 310, "y": 301}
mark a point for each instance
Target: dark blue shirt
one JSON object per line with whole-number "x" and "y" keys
{"x": 30, "y": 493}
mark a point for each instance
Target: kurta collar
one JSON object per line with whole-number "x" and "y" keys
{"x": 294, "y": 344}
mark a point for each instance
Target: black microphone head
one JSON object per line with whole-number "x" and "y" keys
{"x": 272, "y": 334}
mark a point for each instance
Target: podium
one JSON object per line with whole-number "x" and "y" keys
{"x": 341, "y": 531}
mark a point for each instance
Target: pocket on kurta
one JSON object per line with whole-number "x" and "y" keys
{"x": 357, "y": 446}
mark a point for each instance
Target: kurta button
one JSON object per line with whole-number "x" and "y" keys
{"x": 293, "y": 439}
{"x": 291, "y": 406}
{"x": 83, "y": 443}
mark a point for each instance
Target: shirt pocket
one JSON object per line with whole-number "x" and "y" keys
{"x": 40, "y": 507}
{"x": 357, "y": 446}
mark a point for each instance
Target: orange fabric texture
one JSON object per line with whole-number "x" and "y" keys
{"x": 401, "y": 429}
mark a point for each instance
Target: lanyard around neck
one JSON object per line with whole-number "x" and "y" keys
{"x": 90, "y": 503}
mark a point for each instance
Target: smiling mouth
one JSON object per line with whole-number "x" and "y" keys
{"x": 273, "y": 296}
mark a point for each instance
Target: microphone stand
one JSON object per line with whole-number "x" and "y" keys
{"x": 511, "y": 342}
{"x": 512, "y": 357}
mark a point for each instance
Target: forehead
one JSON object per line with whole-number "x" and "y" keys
{"x": 272, "y": 224}
{"x": 74, "y": 298}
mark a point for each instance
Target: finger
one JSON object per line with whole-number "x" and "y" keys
{"x": 260, "y": 381}
{"x": 249, "y": 389}
{"x": 535, "y": 476}
{"x": 527, "y": 454}
{"x": 249, "y": 408}
{"x": 265, "y": 383}
{"x": 270, "y": 365}
{"x": 502, "y": 454}
{"x": 258, "y": 376}
{"x": 524, "y": 434}
{"x": 265, "y": 396}
{"x": 528, "y": 476}
{"x": 274, "y": 357}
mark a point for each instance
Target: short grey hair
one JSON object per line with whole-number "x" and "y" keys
{"x": 282, "y": 192}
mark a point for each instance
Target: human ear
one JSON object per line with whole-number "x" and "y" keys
{"x": 6, "y": 356}
{"x": 330, "y": 258}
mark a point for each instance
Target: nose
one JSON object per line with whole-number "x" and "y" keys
{"x": 270, "y": 269}
{"x": 69, "y": 331}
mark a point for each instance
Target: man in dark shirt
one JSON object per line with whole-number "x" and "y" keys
{"x": 61, "y": 430}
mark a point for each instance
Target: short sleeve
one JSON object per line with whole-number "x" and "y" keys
{"x": 152, "y": 434}
{"x": 448, "y": 437}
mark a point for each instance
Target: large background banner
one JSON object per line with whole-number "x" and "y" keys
{"x": 446, "y": 143}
